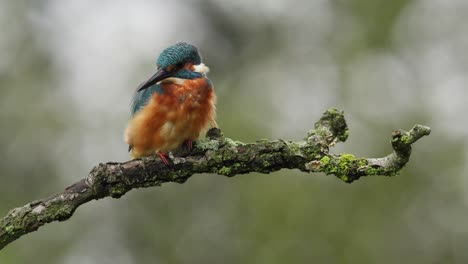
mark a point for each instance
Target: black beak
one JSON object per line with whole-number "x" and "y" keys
{"x": 160, "y": 75}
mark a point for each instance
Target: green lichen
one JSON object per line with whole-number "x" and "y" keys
{"x": 342, "y": 167}
{"x": 362, "y": 162}
{"x": 208, "y": 144}
{"x": 373, "y": 171}
{"x": 293, "y": 149}
{"x": 332, "y": 113}
{"x": 64, "y": 212}
{"x": 344, "y": 136}
{"x": 233, "y": 143}
{"x": 345, "y": 162}
{"x": 309, "y": 151}
{"x": 10, "y": 229}
{"x": 328, "y": 165}
{"x": 213, "y": 156}
{"x": 337, "y": 123}
{"x": 225, "y": 171}
{"x": 345, "y": 167}
{"x": 325, "y": 160}
{"x": 118, "y": 190}
{"x": 231, "y": 170}
{"x": 323, "y": 133}
{"x": 406, "y": 139}
{"x": 236, "y": 166}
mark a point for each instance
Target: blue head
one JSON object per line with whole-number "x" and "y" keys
{"x": 178, "y": 54}
{"x": 173, "y": 62}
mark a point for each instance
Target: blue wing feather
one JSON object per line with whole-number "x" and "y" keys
{"x": 141, "y": 98}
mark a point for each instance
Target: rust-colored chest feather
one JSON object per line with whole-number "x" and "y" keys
{"x": 182, "y": 112}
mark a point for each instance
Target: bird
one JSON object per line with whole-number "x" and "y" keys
{"x": 174, "y": 106}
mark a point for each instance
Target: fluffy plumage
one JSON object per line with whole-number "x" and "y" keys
{"x": 176, "y": 109}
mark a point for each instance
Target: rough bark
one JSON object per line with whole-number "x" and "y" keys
{"x": 219, "y": 155}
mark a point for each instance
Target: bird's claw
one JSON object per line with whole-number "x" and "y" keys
{"x": 164, "y": 158}
{"x": 189, "y": 144}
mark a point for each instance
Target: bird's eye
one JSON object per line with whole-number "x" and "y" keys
{"x": 179, "y": 65}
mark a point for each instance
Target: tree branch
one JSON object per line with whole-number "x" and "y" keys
{"x": 219, "y": 155}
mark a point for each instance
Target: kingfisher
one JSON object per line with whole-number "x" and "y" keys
{"x": 174, "y": 106}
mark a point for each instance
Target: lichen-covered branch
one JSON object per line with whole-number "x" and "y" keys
{"x": 215, "y": 154}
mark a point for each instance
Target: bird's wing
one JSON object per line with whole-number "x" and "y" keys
{"x": 141, "y": 98}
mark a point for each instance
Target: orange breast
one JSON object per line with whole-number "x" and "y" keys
{"x": 181, "y": 113}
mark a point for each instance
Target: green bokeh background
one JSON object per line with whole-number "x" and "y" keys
{"x": 68, "y": 70}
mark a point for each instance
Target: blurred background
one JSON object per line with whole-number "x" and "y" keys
{"x": 68, "y": 70}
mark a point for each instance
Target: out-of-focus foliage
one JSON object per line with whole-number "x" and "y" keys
{"x": 68, "y": 69}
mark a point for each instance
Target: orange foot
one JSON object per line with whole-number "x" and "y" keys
{"x": 165, "y": 158}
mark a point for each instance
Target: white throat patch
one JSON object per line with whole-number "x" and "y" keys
{"x": 201, "y": 68}
{"x": 173, "y": 80}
